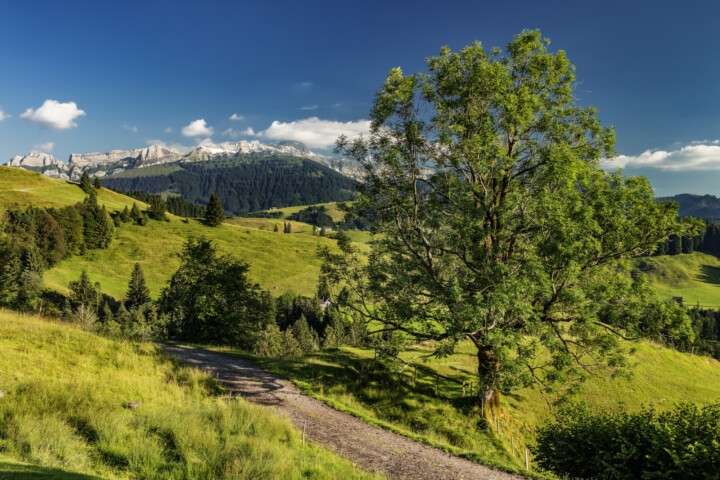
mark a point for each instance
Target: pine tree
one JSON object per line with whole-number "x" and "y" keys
{"x": 301, "y": 331}
{"x": 82, "y": 292}
{"x": 85, "y": 183}
{"x": 135, "y": 213}
{"x": 214, "y": 214}
{"x": 125, "y": 215}
{"x": 275, "y": 228}
{"x": 97, "y": 183}
{"x": 290, "y": 345}
{"x": 138, "y": 292}
{"x": 157, "y": 209}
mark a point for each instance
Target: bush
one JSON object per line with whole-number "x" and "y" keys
{"x": 681, "y": 443}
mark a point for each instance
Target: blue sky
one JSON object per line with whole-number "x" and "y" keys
{"x": 143, "y": 71}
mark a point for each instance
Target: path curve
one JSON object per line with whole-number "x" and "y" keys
{"x": 372, "y": 448}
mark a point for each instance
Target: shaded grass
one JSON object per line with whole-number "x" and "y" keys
{"x": 62, "y": 411}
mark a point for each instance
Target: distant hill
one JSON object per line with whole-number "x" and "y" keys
{"x": 701, "y": 206}
{"x": 244, "y": 183}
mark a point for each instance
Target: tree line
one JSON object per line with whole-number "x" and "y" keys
{"x": 175, "y": 204}
{"x": 248, "y": 185}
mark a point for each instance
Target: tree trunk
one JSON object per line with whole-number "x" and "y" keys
{"x": 488, "y": 367}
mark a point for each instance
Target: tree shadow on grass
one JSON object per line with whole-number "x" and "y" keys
{"x": 10, "y": 470}
{"x": 710, "y": 274}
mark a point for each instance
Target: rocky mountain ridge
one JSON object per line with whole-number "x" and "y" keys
{"x": 99, "y": 164}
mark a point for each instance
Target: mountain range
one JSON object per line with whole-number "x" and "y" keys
{"x": 105, "y": 164}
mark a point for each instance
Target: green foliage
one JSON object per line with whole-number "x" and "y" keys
{"x": 290, "y": 347}
{"x": 302, "y": 333}
{"x": 125, "y": 215}
{"x": 211, "y": 299}
{"x": 136, "y": 214}
{"x": 244, "y": 183}
{"x": 82, "y": 291}
{"x": 157, "y": 209}
{"x": 138, "y": 292}
{"x": 683, "y": 442}
{"x": 214, "y": 214}
{"x": 85, "y": 183}
{"x": 494, "y": 221}
{"x": 97, "y": 183}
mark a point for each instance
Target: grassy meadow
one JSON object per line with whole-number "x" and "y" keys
{"x": 693, "y": 276}
{"x": 62, "y": 415}
{"x": 279, "y": 262}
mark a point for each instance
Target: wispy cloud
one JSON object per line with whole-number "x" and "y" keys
{"x": 46, "y": 147}
{"x": 130, "y": 128}
{"x": 54, "y": 115}
{"x": 698, "y": 156}
{"x": 306, "y": 84}
{"x": 248, "y": 131}
{"x": 309, "y": 107}
{"x": 3, "y": 115}
{"x": 198, "y": 128}
{"x": 314, "y": 132}
{"x": 168, "y": 130}
{"x": 235, "y": 116}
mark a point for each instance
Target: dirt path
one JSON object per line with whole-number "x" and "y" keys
{"x": 373, "y": 448}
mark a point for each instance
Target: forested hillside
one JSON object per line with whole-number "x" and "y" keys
{"x": 701, "y": 206}
{"x": 244, "y": 184}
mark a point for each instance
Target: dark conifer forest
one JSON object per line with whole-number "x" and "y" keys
{"x": 246, "y": 184}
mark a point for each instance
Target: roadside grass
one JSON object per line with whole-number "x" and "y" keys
{"x": 350, "y": 380}
{"x": 62, "y": 415}
{"x": 693, "y": 276}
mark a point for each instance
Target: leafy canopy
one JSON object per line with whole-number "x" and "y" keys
{"x": 495, "y": 222}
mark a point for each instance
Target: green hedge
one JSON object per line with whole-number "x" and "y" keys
{"x": 680, "y": 443}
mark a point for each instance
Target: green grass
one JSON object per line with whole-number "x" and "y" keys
{"x": 62, "y": 415}
{"x": 348, "y": 380}
{"x": 279, "y": 262}
{"x": 694, "y": 276}
{"x": 22, "y": 188}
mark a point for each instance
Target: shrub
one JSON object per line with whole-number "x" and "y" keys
{"x": 680, "y": 443}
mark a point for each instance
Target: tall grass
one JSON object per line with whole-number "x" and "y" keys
{"x": 63, "y": 409}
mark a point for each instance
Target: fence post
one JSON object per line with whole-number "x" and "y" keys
{"x": 527, "y": 464}
{"x": 415, "y": 379}
{"x": 463, "y": 389}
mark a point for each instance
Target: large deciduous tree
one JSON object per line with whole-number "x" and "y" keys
{"x": 494, "y": 222}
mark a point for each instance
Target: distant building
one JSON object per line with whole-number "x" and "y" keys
{"x": 679, "y": 300}
{"x": 273, "y": 208}
{"x": 324, "y": 304}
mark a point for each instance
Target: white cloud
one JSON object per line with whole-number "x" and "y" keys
{"x": 231, "y": 133}
{"x": 54, "y": 115}
{"x": 46, "y": 147}
{"x": 130, "y": 128}
{"x": 309, "y": 107}
{"x": 168, "y": 130}
{"x": 3, "y": 115}
{"x": 206, "y": 141}
{"x": 235, "y": 116}
{"x": 306, "y": 84}
{"x": 692, "y": 157}
{"x": 248, "y": 131}
{"x": 197, "y": 128}
{"x": 314, "y": 132}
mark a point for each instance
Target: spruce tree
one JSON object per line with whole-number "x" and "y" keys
{"x": 301, "y": 331}
{"x": 157, "y": 209}
{"x": 125, "y": 215}
{"x": 135, "y": 213}
{"x": 275, "y": 228}
{"x": 85, "y": 183}
{"x": 138, "y": 292}
{"x": 82, "y": 292}
{"x": 97, "y": 183}
{"x": 214, "y": 214}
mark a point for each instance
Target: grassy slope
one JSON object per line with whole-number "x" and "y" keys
{"x": 694, "y": 276}
{"x": 330, "y": 208}
{"x": 62, "y": 415}
{"x": 288, "y": 262}
{"x": 346, "y": 379}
